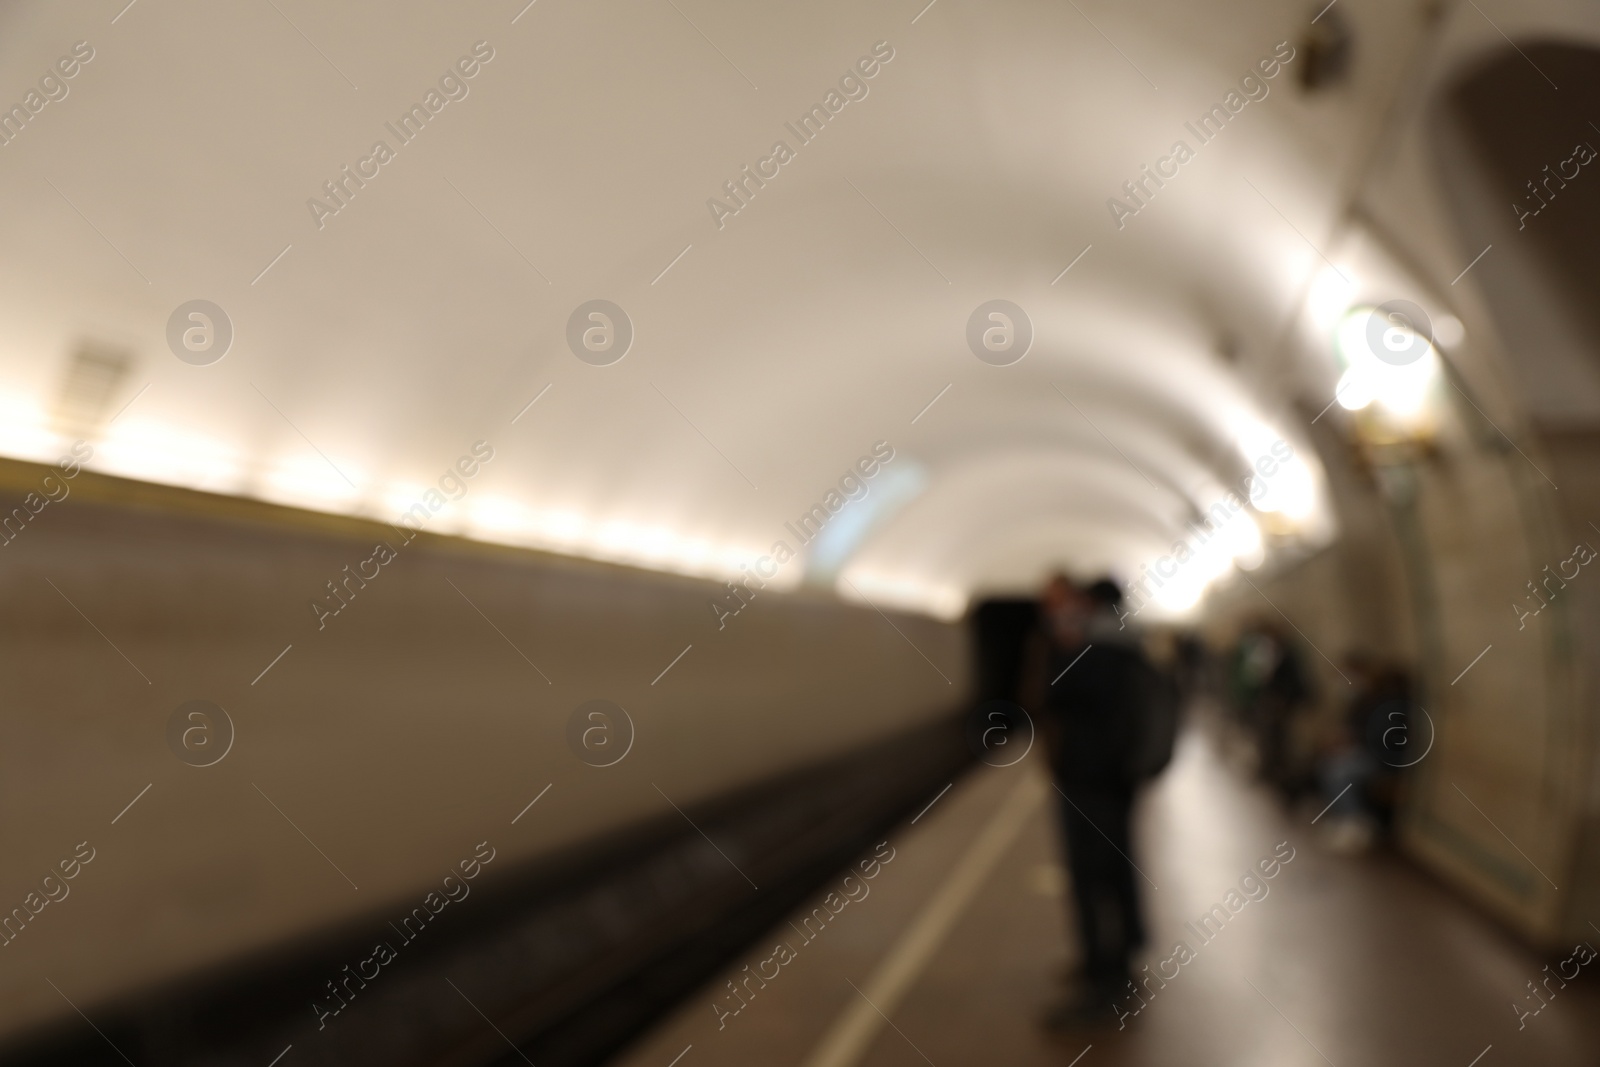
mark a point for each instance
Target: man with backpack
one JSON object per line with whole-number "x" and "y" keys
{"x": 1109, "y": 719}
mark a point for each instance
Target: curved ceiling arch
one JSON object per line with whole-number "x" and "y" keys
{"x": 769, "y": 354}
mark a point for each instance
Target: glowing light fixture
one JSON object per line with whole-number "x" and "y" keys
{"x": 307, "y": 480}
{"x": 499, "y": 517}
{"x": 160, "y": 452}
{"x": 1386, "y": 362}
{"x": 1330, "y": 296}
{"x": 24, "y": 432}
{"x": 895, "y": 591}
{"x": 1290, "y": 489}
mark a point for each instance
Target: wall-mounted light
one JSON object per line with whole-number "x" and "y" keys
{"x": 1288, "y": 488}
{"x": 1330, "y": 296}
{"x": 1388, "y": 363}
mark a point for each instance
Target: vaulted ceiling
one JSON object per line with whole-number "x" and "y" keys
{"x": 774, "y": 346}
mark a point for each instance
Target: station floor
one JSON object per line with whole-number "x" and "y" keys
{"x": 953, "y": 950}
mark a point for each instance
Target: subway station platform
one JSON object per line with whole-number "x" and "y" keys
{"x": 956, "y": 947}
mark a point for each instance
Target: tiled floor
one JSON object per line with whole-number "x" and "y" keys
{"x": 961, "y": 937}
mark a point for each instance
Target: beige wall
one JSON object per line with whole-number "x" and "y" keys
{"x": 397, "y": 738}
{"x": 1433, "y": 553}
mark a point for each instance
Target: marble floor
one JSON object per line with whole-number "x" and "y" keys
{"x": 954, "y": 948}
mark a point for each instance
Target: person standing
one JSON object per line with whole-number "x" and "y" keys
{"x": 1273, "y": 689}
{"x": 1096, "y": 678}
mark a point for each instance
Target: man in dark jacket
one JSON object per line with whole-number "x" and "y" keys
{"x": 1093, "y": 684}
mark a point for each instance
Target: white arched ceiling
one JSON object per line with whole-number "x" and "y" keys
{"x": 769, "y": 356}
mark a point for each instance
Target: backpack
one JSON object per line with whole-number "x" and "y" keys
{"x": 1155, "y": 709}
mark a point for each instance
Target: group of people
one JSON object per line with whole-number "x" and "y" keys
{"x": 1107, "y": 716}
{"x": 1350, "y": 761}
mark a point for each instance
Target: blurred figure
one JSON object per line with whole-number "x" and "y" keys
{"x": 1359, "y": 768}
{"x": 1002, "y": 628}
{"x": 1270, "y": 689}
{"x": 1191, "y": 666}
{"x": 1392, "y": 736}
{"x": 1096, "y": 684}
